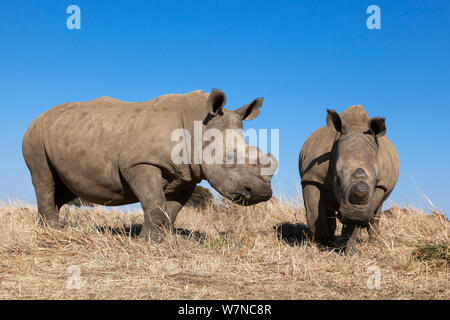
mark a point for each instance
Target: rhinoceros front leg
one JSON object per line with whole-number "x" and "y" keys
{"x": 374, "y": 228}
{"x": 317, "y": 214}
{"x": 350, "y": 234}
{"x": 146, "y": 182}
{"x": 379, "y": 197}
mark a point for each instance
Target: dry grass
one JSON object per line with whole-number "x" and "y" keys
{"x": 238, "y": 257}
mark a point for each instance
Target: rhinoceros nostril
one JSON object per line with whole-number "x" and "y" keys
{"x": 359, "y": 194}
{"x": 361, "y": 188}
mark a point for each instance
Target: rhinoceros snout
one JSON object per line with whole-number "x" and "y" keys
{"x": 349, "y": 215}
{"x": 359, "y": 194}
{"x": 251, "y": 195}
{"x": 259, "y": 194}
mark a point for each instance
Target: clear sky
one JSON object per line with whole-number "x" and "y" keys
{"x": 301, "y": 56}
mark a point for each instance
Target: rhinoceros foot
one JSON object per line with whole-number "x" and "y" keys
{"x": 153, "y": 234}
{"x": 51, "y": 222}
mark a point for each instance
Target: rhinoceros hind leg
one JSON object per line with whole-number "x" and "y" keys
{"x": 43, "y": 178}
{"x": 146, "y": 183}
{"x": 317, "y": 215}
{"x": 175, "y": 204}
{"x": 48, "y": 212}
{"x": 63, "y": 195}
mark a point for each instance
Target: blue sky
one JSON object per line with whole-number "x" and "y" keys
{"x": 301, "y": 56}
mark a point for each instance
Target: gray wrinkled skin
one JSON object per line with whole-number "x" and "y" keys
{"x": 348, "y": 167}
{"x": 113, "y": 152}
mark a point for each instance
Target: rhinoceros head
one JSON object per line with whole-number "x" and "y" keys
{"x": 239, "y": 172}
{"x": 354, "y": 163}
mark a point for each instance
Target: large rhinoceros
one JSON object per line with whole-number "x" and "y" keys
{"x": 113, "y": 152}
{"x": 350, "y": 168}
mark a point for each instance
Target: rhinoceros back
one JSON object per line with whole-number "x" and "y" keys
{"x": 314, "y": 157}
{"x": 87, "y": 143}
{"x": 388, "y": 165}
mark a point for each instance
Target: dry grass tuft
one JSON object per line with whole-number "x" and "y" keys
{"x": 219, "y": 252}
{"x": 429, "y": 252}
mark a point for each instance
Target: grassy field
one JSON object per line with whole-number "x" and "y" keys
{"x": 232, "y": 253}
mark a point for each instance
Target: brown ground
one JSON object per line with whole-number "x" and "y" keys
{"x": 238, "y": 256}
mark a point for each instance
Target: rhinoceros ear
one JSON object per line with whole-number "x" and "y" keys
{"x": 334, "y": 120}
{"x": 378, "y": 126}
{"x": 216, "y": 101}
{"x": 250, "y": 111}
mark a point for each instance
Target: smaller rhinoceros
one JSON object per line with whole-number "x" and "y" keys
{"x": 350, "y": 168}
